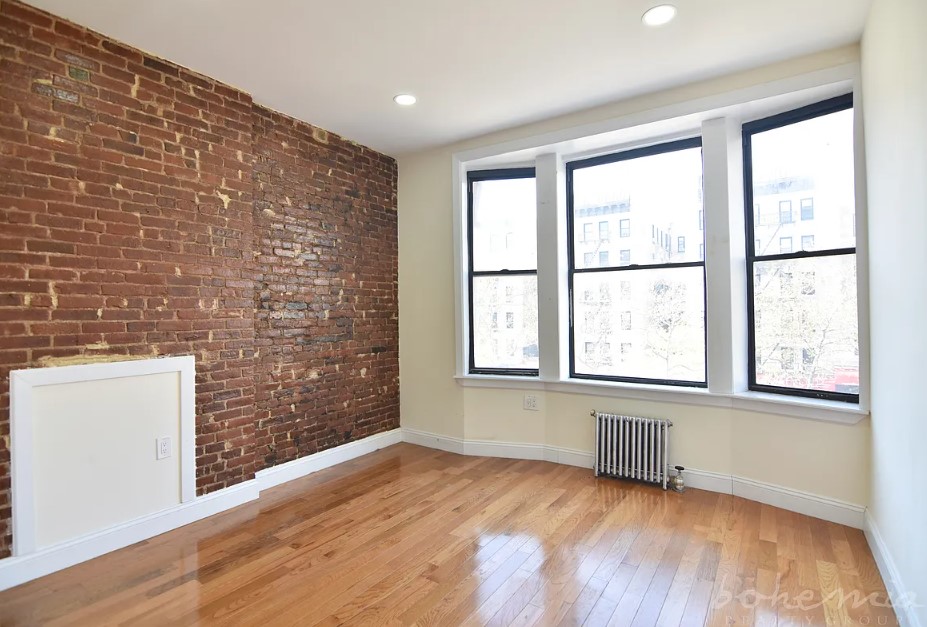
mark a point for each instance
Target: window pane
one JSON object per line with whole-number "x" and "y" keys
{"x": 504, "y": 225}
{"x": 803, "y": 183}
{"x": 505, "y": 321}
{"x": 650, "y": 327}
{"x": 635, "y": 193}
{"x": 806, "y": 324}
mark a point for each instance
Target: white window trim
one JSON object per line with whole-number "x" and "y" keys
{"x": 718, "y": 120}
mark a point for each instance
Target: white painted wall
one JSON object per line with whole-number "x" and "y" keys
{"x": 826, "y": 459}
{"x": 894, "y": 66}
{"x": 93, "y": 453}
{"x": 84, "y": 448}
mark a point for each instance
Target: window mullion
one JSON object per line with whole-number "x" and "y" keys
{"x": 726, "y": 278}
{"x": 553, "y": 301}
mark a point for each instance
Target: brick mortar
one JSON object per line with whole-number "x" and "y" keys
{"x": 148, "y": 210}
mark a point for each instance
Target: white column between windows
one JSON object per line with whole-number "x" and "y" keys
{"x": 553, "y": 303}
{"x": 725, "y": 256}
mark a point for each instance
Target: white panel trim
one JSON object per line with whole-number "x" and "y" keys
{"x": 822, "y": 507}
{"x": 276, "y": 475}
{"x": 22, "y": 383}
{"x": 903, "y": 605}
{"x": 20, "y": 569}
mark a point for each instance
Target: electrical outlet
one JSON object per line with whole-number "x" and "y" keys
{"x": 531, "y": 402}
{"x": 163, "y": 448}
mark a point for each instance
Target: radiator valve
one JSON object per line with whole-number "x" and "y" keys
{"x": 678, "y": 483}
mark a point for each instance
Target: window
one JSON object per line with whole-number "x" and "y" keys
{"x": 785, "y": 211}
{"x": 603, "y": 231}
{"x": 807, "y": 208}
{"x": 626, "y": 290}
{"x": 603, "y": 258}
{"x": 625, "y": 320}
{"x": 680, "y": 244}
{"x": 807, "y": 150}
{"x": 669, "y": 308}
{"x": 807, "y": 356}
{"x": 701, "y": 219}
{"x": 701, "y": 252}
{"x": 502, "y": 207}
{"x": 587, "y": 232}
{"x": 808, "y": 283}
{"x": 587, "y": 260}
{"x": 625, "y": 226}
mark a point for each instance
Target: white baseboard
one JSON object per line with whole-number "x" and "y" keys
{"x": 793, "y": 500}
{"x": 275, "y": 475}
{"x": 433, "y": 440}
{"x": 710, "y": 481}
{"x": 823, "y": 507}
{"x": 903, "y": 604}
{"x": 508, "y": 450}
{"x": 20, "y": 569}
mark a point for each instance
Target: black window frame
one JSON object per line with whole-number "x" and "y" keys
{"x": 634, "y": 153}
{"x": 818, "y": 109}
{"x": 473, "y": 177}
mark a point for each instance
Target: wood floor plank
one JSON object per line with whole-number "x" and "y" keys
{"x": 409, "y": 535}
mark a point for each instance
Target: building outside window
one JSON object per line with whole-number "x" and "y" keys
{"x": 802, "y": 332}
{"x": 502, "y": 208}
{"x": 803, "y": 155}
{"x": 664, "y": 298}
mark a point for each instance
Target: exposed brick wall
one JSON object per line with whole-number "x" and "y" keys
{"x": 326, "y": 300}
{"x": 129, "y": 227}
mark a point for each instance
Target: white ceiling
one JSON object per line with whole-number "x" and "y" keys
{"x": 476, "y": 66}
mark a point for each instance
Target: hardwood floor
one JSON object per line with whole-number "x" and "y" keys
{"x": 410, "y": 535}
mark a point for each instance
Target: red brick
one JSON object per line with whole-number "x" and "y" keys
{"x": 114, "y": 232}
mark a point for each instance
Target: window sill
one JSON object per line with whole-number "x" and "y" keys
{"x": 791, "y": 406}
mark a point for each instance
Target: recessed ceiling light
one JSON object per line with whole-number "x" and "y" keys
{"x": 404, "y": 99}
{"x": 659, "y": 15}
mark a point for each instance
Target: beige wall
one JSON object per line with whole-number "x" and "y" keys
{"x": 93, "y": 454}
{"x": 894, "y": 64}
{"x": 822, "y": 458}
